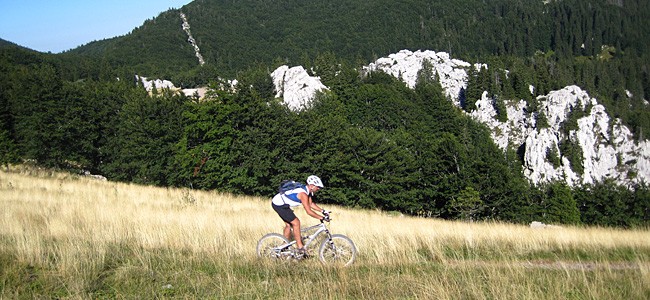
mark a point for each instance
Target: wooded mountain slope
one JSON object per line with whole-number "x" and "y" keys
{"x": 233, "y": 35}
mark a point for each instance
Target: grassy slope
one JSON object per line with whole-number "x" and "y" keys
{"x": 62, "y": 235}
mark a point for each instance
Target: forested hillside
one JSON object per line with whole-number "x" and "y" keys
{"x": 601, "y": 45}
{"x": 376, "y": 143}
{"x": 235, "y": 34}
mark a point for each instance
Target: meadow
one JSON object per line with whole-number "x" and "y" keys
{"x": 67, "y": 236}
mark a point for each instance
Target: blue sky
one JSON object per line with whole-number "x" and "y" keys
{"x": 59, "y": 25}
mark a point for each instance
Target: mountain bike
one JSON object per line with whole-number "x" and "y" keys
{"x": 335, "y": 249}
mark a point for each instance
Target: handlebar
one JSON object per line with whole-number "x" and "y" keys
{"x": 326, "y": 216}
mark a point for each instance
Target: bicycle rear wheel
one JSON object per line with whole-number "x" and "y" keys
{"x": 267, "y": 246}
{"x": 340, "y": 250}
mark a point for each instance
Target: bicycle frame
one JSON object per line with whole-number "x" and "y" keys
{"x": 307, "y": 240}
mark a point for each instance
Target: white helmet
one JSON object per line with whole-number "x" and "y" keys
{"x": 313, "y": 179}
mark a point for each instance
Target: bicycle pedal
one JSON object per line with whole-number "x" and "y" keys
{"x": 300, "y": 254}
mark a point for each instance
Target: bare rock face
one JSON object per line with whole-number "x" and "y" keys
{"x": 608, "y": 148}
{"x": 296, "y": 87}
{"x": 154, "y": 84}
{"x": 406, "y": 65}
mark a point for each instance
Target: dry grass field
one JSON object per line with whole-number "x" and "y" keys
{"x": 69, "y": 236}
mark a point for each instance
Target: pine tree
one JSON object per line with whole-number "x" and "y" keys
{"x": 561, "y": 207}
{"x": 471, "y": 93}
{"x": 466, "y": 204}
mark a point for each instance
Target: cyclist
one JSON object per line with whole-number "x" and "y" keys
{"x": 283, "y": 202}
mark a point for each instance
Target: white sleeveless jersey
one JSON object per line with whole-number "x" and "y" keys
{"x": 290, "y": 197}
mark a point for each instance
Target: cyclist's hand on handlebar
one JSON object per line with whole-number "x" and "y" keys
{"x": 326, "y": 216}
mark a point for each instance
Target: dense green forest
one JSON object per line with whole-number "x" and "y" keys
{"x": 234, "y": 35}
{"x": 376, "y": 143}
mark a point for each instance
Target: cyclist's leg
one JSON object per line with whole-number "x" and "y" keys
{"x": 295, "y": 225}
{"x": 290, "y": 221}
{"x": 287, "y": 231}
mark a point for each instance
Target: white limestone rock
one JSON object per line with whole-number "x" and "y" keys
{"x": 511, "y": 133}
{"x": 538, "y": 144}
{"x": 199, "y": 92}
{"x": 296, "y": 87}
{"x": 406, "y": 64}
{"x": 558, "y": 104}
{"x": 157, "y": 84}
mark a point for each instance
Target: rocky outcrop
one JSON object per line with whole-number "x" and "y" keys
{"x": 607, "y": 146}
{"x": 160, "y": 84}
{"x": 155, "y": 84}
{"x": 406, "y": 65}
{"x": 296, "y": 87}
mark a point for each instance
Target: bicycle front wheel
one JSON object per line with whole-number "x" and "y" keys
{"x": 268, "y": 245}
{"x": 340, "y": 250}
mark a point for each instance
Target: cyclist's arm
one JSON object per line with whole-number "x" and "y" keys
{"x": 315, "y": 207}
{"x": 309, "y": 205}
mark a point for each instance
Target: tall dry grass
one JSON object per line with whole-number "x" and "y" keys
{"x": 68, "y": 236}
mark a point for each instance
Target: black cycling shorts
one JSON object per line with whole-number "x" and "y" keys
{"x": 285, "y": 212}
